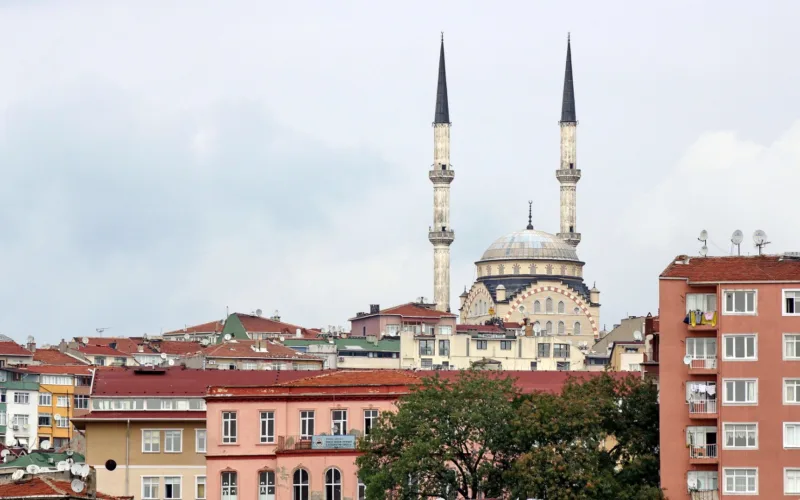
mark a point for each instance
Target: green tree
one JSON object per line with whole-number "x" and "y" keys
{"x": 447, "y": 439}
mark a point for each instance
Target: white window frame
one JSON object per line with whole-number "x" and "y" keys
{"x": 368, "y": 416}
{"x": 725, "y": 426}
{"x": 305, "y": 417}
{"x": 180, "y": 440}
{"x": 737, "y": 403}
{"x": 725, "y": 338}
{"x": 264, "y": 417}
{"x": 707, "y": 473}
{"x": 62, "y": 421}
{"x": 725, "y": 481}
{"x": 155, "y": 445}
{"x": 22, "y": 396}
{"x": 796, "y": 382}
{"x": 233, "y": 487}
{"x": 180, "y": 488}
{"x": 230, "y": 437}
{"x": 48, "y": 399}
{"x": 342, "y": 432}
{"x": 158, "y": 488}
{"x": 197, "y": 482}
{"x": 197, "y": 434}
{"x": 62, "y": 399}
{"x": 725, "y": 311}
{"x": 785, "y": 471}
{"x": 786, "y": 446}
{"x": 796, "y": 357}
{"x": 783, "y": 302}
{"x": 705, "y": 299}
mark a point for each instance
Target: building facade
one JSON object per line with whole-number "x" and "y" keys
{"x": 19, "y": 395}
{"x": 728, "y": 367}
{"x": 413, "y": 317}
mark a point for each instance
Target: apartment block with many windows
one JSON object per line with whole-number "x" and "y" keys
{"x": 729, "y": 375}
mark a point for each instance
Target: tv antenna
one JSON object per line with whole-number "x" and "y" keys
{"x": 102, "y": 329}
{"x": 736, "y": 239}
{"x": 704, "y": 238}
{"x": 760, "y": 239}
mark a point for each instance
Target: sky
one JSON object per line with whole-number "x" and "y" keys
{"x": 165, "y": 162}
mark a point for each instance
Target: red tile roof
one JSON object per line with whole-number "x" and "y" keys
{"x": 179, "y": 381}
{"x": 728, "y": 269}
{"x": 55, "y": 357}
{"x": 123, "y": 344}
{"x": 409, "y": 310}
{"x": 259, "y": 324}
{"x": 177, "y": 347}
{"x": 101, "y": 350}
{"x": 210, "y": 327}
{"x": 60, "y": 369}
{"x": 43, "y": 487}
{"x": 13, "y": 349}
{"x": 244, "y": 349}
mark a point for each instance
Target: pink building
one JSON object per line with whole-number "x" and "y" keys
{"x": 296, "y": 440}
{"x": 419, "y": 318}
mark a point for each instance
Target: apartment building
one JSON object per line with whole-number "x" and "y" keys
{"x": 63, "y": 394}
{"x": 351, "y": 353}
{"x": 151, "y": 421}
{"x": 419, "y": 318}
{"x": 19, "y": 393}
{"x": 727, "y": 347}
{"x": 12, "y": 353}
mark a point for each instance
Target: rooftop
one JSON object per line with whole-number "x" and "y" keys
{"x": 210, "y": 327}
{"x": 101, "y": 350}
{"x": 530, "y": 244}
{"x": 40, "y": 458}
{"x": 59, "y": 369}
{"x": 256, "y": 349}
{"x": 728, "y": 269}
{"x": 409, "y": 310}
{"x": 10, "y": 348}
{"x": 41, "y": 486}
{"x": 51, "y": 356}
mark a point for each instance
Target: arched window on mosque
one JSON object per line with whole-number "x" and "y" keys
{"x": 548, "y": 305}
{"x": 563, "y": 270}
{"x": 549, "y": 268}
{"x": 501, "y": 269}
{"x": 576, "y": 328}
{"x": 516, "y": 268}
{"x": 561, "y": 328}
{"x": 532, "y": 268}
{"x": 488, "y": 270}
{"x": 561, "y": 307}
{"x": 577, "y": 310}
{"x": 537, "y": 307}
{"x": 549, "y": 327}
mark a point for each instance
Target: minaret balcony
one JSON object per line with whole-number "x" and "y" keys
{"x": 441, "y": 176}
{"x": 571, "y": 238}
{"x": 444, "y": 237}
{"x": 568, "y": 174}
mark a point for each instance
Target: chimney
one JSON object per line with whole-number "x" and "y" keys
{"x": 528, "y": 329}
{"x": 298, "y": 333}
{"x": 31, "y": 346}
{"x": 374, "y": 308}
{"x": 500, "y": 292}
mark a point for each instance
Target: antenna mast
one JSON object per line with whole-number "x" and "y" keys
{"x": 760, "y": 239}
{"x": 703, "y": 237}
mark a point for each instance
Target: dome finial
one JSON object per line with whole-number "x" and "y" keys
{"x": 530, "y": 215}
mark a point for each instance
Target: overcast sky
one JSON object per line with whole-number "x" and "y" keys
{"x": 162, "y": 161}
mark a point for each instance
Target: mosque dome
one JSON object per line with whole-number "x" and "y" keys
{"x": 529, "y": 245}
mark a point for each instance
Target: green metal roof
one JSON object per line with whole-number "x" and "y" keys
{"x": 40, "y": 458}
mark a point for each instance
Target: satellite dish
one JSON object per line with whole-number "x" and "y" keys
{"x": 45, "y": 445}
{"x": 227, "y": 336}
{"x": 268, "y": 367}
{"x": 259, "y": 312}
{"x": 171, "y": 362}
{"x": 17, "y": 475}
{"x": 77, "y": 485}
{"x": 703, "y": 251}
{"x": 85, "y": 470}
{"x": 737, "y": 237}
{"x": 163, "y": 355}
{"x": 186, "y": 336}
{"x": 204, "y": 342}
{"x": 281, "y": 338}
{"x": 70, "y": 453}
{"x": 637, "y": 335}
{"x": 537, "y": 327}
{"x": 687, "y": 360}
{"x": 85, "y": 340}
{"x": 759, "y": 237}
{"x": 62, "y": 466}
{"x": 692, "y": 483}
{"x": 75, "y": 469}
{"x": 4, "y": 453}
{"x": 703, "y": 235}
{"x": 32, "y": 469}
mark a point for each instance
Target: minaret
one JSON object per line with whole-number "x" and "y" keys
{"x": 568, "y": 174}
{"x": 441, "y": 175}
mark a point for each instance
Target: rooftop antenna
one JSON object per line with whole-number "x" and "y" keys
{"x": 760, "y": 239}
{"x": 703, "y": 237}
{"x": 102, "y": 329}
{"x": 736, "y": 239}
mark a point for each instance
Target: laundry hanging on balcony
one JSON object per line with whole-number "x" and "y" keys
{"x": 698, "y": 317}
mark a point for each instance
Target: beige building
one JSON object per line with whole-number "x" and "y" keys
{"x": 627, "y": 356}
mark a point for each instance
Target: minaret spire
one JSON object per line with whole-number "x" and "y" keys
{"x": 568, "y": 174}
{"x": 530, "y": 216}
{"x": 441, "y": 175}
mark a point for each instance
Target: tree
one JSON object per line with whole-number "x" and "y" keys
{"x": 447, "y": 439}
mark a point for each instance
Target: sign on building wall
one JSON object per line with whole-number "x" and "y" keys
{"x": 333, "y": 443}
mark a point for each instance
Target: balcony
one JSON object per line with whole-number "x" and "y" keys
{"x": 703, "y": 365}
{"x": 321, "y": 442}
{"x": 702, "y": 321}
{"x": 702, "y": 408}
{"x": 705, "y": 495}
{"x": 703, "y": 454}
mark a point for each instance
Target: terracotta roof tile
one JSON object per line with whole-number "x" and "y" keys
{"x": 42, "y": 486}
{"x": 101, "y": 350}
{"x": 60, "y": 369}
{"x": 727, "y": 269}
{"x": 259, "y": 324}
{"x": 123, "y": 344}
{"x": 410, "y": 310}
{"x": 13, "y": 349}
{"x": 210, "y": 327}
{"x": 341, "y": 378}
{"x": 244, "y": 349}
{"x": 177, "y": 347}
{"x": 55, "y": 357}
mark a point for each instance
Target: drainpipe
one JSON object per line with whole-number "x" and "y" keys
{"x": 127, "y": 456}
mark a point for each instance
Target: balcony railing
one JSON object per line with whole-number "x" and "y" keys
{"x": 703, "y": 407}
{"x": 702, "y": 320}
{"x": 321, "y": 442}
{"x": 426, "y": 351}
{"x": 705, "y": 495}
{"x": 703, "y": 363}
{"x": 703, "y": 451}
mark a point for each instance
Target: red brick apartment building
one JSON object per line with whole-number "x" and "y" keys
{"x": 729, "y": 374}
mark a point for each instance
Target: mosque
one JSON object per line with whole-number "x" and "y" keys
{"x": 528, "y": 275}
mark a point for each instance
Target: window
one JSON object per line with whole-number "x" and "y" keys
{"x": 791, "y": 435}
{"x": 444, "y": 348}
{"x": 791, "y": 346}
{"x": 704, "y": 302}
{"x": 560, "y": 350}
{"x": 172, "y": 487}
{"x": 740, "y": 436}
{"x": 561, "y": 307}
{"x": 791, "y": 481}
{"x": 249, "y": 366}
{"x": 482, "y": 345}
{"x": 22, "y": 398}
{"x": 266, "y": 485}
{"x": 200, "y": 440}
{"x": 100, "y": 360}
{"x": 2, "y": 394}
{"x": 306, "y": 424}
{"x": 370, "y": 419}
{"x": 702, "y": 480}
{"x": 81, "y": 402}
{"x": 392, "y": 330}
{"x": 701, "y": 347}
{"x": 228, "y": 427}
{"x": 791, "y": 391}
{"x": 739, "y": 391}
{"x": 562, "y": 328}
{"x": 339, "y": 422}
{"x": 505, "y": 345}
{"x": 62, "y": 401}
{"x": 172, "y": 441}
{"x": 333, "y": 484}
{"x": 426, "y": 347}
{"x": 543, "y": 350}
{"x": 150, "y": 488}
{"x": 362, "y": 490}
{"x": 537, "y": 307}
{"x": 576, "y": 328}
{"x": 562, "y": 366}
{"x": 151, "y": 441}
{"x": 740, "y": 302}
{"x": 21, "y": 420}
{"x": 548, "y": 327}
{"x": 791, "y": 302}
{"x": 45, "y": 420}
{"x": 267, "y": 426}
{"x": 62, "y": 422}
{"x": 45, "y": 399}
{"x": 534, "y": 366}
{"x": 548, "y": 306}
{"x": 740, "y": 347}
{"x": 3, "y": 419}
{"x": 740, "y": 481}
{"x": 56, "y": 380}
{"x": 229, "y": 488}
{"x": 300, "y": 485}
{"x": 445, "y": 330}
{"x": 200, "y": 487}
